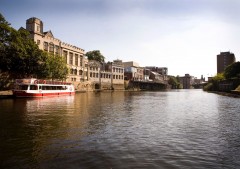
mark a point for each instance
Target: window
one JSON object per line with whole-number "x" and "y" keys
{"x": 81, "y": 60}
{"x": 23, "y": 87}
{"x": 56, "y": 49}
{"x": 38, "y": 42}
{"x": 65, "y": 53}
{"x": 51, "y": 47}
{"x": 76, "y": 59}
{"x": 45, "y": 46}
{"x": 33, "y": 87}
{"x": 80, "y": 72}
{"x": 70, "y": 58}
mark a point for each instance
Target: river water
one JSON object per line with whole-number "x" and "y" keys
{"x": 118, "y": 130}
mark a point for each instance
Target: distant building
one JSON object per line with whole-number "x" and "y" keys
{"x": 156, "y": 76}
{"x": 223, "y": 60}
{"x": 132, "y": 71}
{"x": 116, "y": 69}
{"x": 160, "y": 70}
{"x": 186, "y": 81}
{"x": 74, "y": 56}
{"x": 163, "y": 71}
{"x": 94, "y": 73}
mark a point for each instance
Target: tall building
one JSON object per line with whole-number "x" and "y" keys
{"x": 186, "y": 81}
{"x": 73, "y": 55}
{"x": 223, "y": 60}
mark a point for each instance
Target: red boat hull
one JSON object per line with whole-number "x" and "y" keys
{"x": 25, "y": 94}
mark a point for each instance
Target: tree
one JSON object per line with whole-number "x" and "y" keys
{"x": 218, "y": 77}
{"x": 5, "y": 33}
{"x": 57, "y": 68}
{"x": 95, "y": 55}
{"x": 173, "y": 81}
{"x": 213, "y": 83}
{"x": 232, "y": 71}
{"x": 20, "y": 56}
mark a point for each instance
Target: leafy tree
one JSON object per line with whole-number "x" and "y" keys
{"x": 232, "y": 71}
{"x": 213, "y": 83}
{"x": 56, "y": 67}
{"x": 25, "y": 54}
{"x": 95, "y": 55}
{"x": 5, "y": 33}
{"x": 218, "y": 77}
{"x": 173, "y": 81}
{"x": 20, "y": 56}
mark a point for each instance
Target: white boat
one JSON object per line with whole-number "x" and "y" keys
{"x": 40, "y": 88}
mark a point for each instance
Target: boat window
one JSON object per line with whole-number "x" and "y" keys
{"x": 23, "y": 87}
{"x": 33, "y": 87}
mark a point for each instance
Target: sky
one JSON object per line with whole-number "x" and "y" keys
{"x": 183, "y": 35}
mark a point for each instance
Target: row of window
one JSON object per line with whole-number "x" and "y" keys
{"x": 74, "y": 59}
{"x": 94, "y": 68}
{"x": 74, "y": 72}
{"x": 50, "y": 47}
{"x": 107, "y": 76}
{"x": 119, "y": 70}
{"x": 35, "y": 87}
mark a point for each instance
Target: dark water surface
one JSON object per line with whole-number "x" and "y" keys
{"x": 118, "y": 130}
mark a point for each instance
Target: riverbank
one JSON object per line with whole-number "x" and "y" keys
{"x": 6, "y": 94}
{"x": 235, "y": 94}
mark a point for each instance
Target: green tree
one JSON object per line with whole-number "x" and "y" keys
{"x": 213, "y": 83}
{"x": 20, "y": 56}
{"x": 95, "y": 55}
{"x": 56, "y": 67}
{"x": 5, "y": 34}
{"x": 232, "y": 71}
{"x": 218, "y": 77}
{"x": 174, "y": 82}
{"x": 25, "y": 54}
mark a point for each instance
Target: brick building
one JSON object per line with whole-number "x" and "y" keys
{"x": 223, "y": 60}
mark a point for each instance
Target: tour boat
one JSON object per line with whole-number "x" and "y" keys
{"x": 40, "y": 88}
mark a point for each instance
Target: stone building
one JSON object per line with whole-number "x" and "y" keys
{"x": 132, "y": 71}
{"x": 160, "y": 70}
{"x": 186, "y": 81}
{"x": 74, "y": 56}
{"x": 105, "y": 76}
{"x": 94, "y": 75}
{"x": 117, "y": 74}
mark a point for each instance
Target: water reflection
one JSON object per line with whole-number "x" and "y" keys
{"x": 175, "y": 129}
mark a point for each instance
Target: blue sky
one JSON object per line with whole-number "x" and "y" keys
{"x": 183, "y": 35}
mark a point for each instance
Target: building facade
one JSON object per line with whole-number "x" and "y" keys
{"x": 224, "y": 59}
{"x": 117, "y": 74}
{"x": 73, "y": 55}
{"x": 133, "y": 71}
{"x": 186, "y": 81}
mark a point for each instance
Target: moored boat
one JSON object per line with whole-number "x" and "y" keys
{"x": 40, "y": 88}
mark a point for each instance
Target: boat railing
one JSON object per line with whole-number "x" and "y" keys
{"x": 40, "y": 81}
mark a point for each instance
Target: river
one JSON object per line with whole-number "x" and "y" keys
{"x": 121, "y": 130}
